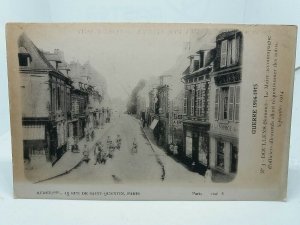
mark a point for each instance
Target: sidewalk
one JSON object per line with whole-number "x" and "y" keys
{"x": 174, "y": 168}
{"x": 41, "y": 170}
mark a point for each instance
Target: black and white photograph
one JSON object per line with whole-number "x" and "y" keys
{"x": 102, "y": 108}
{"x": 128, "y": 111}
{"x": 149, "y": 112}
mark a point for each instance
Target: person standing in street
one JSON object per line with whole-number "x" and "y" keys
{"x": 86, "y": 154}
{"x": 134, "y": 146}
{"x": 207, "y": 176}
{"x": 97, "y": 152}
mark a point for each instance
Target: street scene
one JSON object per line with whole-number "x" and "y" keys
{"x": 135, "y": 159}
{"x": 111, "y": 112}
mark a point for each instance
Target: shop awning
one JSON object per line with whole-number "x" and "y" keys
{"x": 153, "y": 124}
{"x": 34, "y": 132}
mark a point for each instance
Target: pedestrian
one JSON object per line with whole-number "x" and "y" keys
{"x": 175, "y": 149}
{"x": 208, "y": 175}
{"x": 110, "y": 147}
{"x": 70, "y": 143}
{"x": 86, "y": 154}
{"x": 118, "y": 142}
{"x": 172, "y": 148}
{"x": 108, "y": 142}
{"x": 134, "y": 146}
{"x": 97, "y": 152}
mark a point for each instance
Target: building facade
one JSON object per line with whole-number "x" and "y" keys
{"x": 163, "y": 114}
{"x": 166, "y": 111}
{"x": 46, "y": 102}
{"x": 196, "y": 125}
{"x": 79, "y": 106}
{"x": 225, "y": 104}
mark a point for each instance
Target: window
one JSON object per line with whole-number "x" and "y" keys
{"x": 63, "y": 98}
{"x": 24, "y": 59}
{"x": 231, "y": 104}
{"x": 199, "y": 102}
{"x": 185, "y": 102}
{"x": 201, "y": 59}
{"x": 166, "y": 101}
{"x": 234, "y": 158}
{"x": 225, "y": 107}
{"x": 227, "y": 103}
{"x": 193, "y": 103}
{"x": 196, "y": 65}
{"x": 53, "y": 99}
{"x": 220, "y": 154}
{"x": 68, "y": 99}
{"x": 196, "y": 101}
{"x": 230, "y": 52}
{"x": 58, "y": 98}
{"x": 224, "y": 103}
{"x": 217, "y": 98}
{"x": 223, "y": 53}
{"x": 237, "y": 103}
{"x": 234, "y": 50}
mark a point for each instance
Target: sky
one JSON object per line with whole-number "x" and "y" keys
{"x": 124, "y": 55}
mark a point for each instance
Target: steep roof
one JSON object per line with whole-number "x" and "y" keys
{"x": 39, "y": 61}
{"x": 226, "y": 34}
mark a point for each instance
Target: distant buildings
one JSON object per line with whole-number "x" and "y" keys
{"x": 169, "y": 104}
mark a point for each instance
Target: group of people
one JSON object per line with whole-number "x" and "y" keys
{"x": 101, "y": 155}
{"x": 90, "y": 135}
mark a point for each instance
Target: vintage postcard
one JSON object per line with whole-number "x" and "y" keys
{"x": 150, "y": 111}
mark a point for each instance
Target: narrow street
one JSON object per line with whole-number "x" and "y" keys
{"x": 126, "y": 166}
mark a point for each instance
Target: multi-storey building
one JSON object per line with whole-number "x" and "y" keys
{"x": 79, "y": 104}
{"x": 196, "y": 109}
{"x": 163, "y": 112}
{"x": 168, "y": 111}
{"x": 46, "y": 101}
{"x": 90, "y": 98}
{"x": 225, "y": 104}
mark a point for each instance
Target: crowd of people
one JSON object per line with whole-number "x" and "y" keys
{"x": 102, "y": 153}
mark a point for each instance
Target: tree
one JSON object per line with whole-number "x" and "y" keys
{"x": 132, "y": 102}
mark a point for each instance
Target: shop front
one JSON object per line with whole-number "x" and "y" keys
{"x": 34, "y": 140}
{"x": 224, "y": 151}
{"x": 196, "y": 146}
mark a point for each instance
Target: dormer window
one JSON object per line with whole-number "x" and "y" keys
{"x": 24, "y": 57}
{"x": 201, "y": 59}
{"x": 194, "y": 63}
{"x": 229, "y": 52}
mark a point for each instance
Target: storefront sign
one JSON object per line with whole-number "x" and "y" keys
{"x": 34, "y": 132}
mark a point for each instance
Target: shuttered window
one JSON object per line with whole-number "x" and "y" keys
{"x": 231, "y": 104}
{"x": 193, "y": 103}
{"x": 217, "y": 98}
{"x": 223, "y": 53}
{"x": 234, "y": 49}
{"x": 185, "y": 102}
{"x": 199, "y": 102}
{"x": 230, "y": 52}
{"x": 237, "y": 103}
